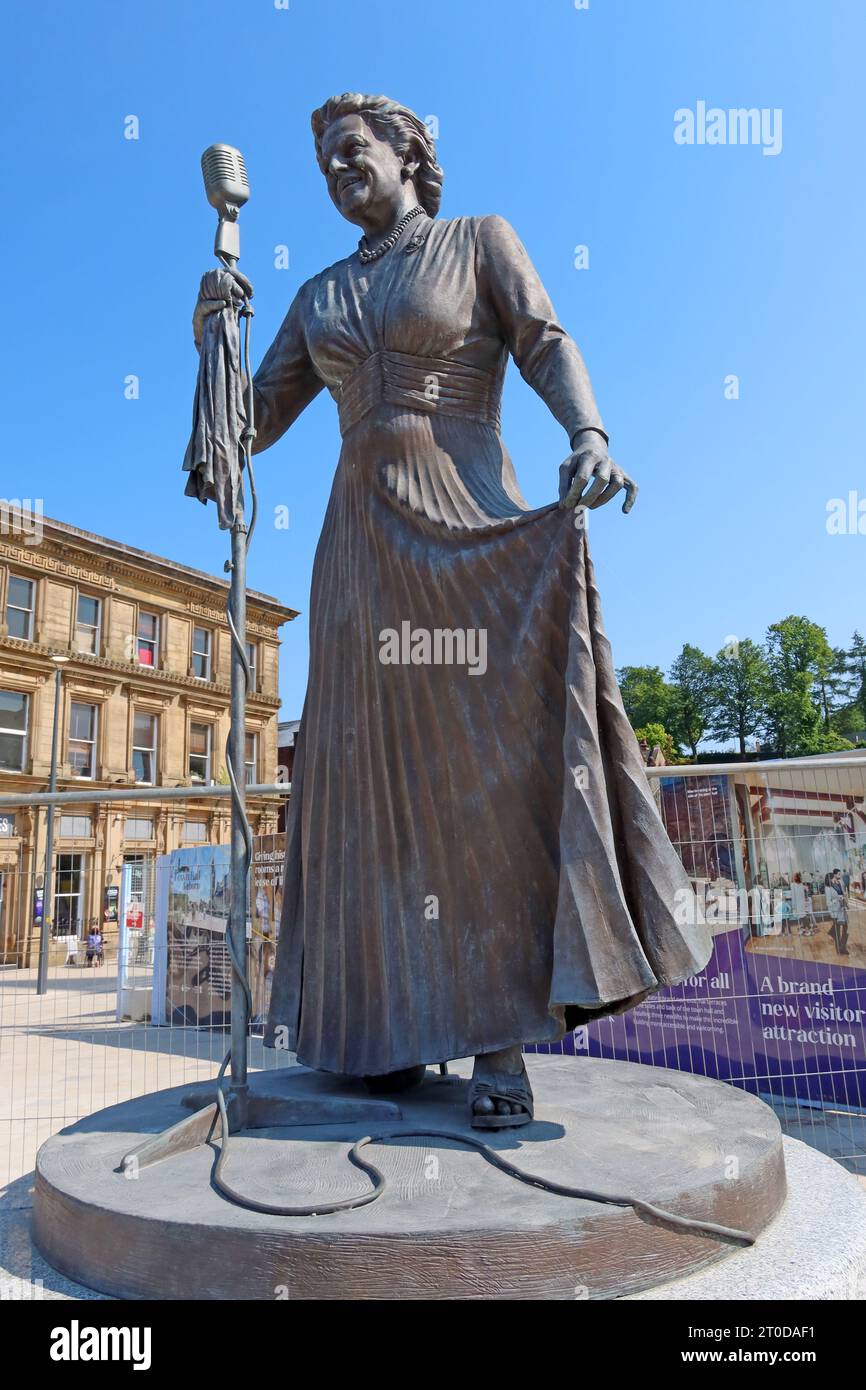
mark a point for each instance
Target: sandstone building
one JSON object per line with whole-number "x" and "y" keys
{"x": 144, "y": 702}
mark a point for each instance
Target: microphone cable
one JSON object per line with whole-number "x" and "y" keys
{"x": 681, "y": 1225}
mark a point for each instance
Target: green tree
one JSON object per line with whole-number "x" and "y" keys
{"x": 742, "y": 687}
{"x": 848, "y": 724}
{"x": 692, "y": 678}
{"x": 833, "y": 742}
{"x": 645, "y": 694}
{"x": 800, "y": 661}
{"x": 833, "y": 682}
{"x": 653, "y": 734}
{"x": 796, "y": 644}
{"x": 855, "y": 661}
{"x": 793, "y": 722}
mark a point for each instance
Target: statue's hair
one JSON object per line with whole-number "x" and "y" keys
{"x": 395, "y": 123}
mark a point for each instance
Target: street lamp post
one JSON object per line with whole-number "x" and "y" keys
{"x": 47, "y": 878}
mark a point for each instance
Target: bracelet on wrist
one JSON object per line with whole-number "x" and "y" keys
{"x": 589, "y": 429}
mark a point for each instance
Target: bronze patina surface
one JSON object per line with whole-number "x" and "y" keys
{"x": 474, "y": 859}
{"x": 448, "y": 1225}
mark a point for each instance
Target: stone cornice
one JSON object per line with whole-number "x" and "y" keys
{"x": 61, "y": 546}
{"x": 32, "y": 782}
{"x": 84, "y": 665}
{"x": 41, "y": 558}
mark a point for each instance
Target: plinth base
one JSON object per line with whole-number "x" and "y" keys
{"x": 449, "y": 1224}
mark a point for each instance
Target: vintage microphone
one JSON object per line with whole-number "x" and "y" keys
{"x": 227, "y": 188}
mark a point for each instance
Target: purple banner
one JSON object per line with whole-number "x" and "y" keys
{"x": 778, "y": 860}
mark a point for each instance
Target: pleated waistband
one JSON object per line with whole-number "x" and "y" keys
{"x": 428, "y": 384}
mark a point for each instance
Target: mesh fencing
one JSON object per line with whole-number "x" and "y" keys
{"x": 137, "y": 1001}
{"x": 777, "y": 858}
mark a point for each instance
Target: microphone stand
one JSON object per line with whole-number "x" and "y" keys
{"x": 241, "y": 834}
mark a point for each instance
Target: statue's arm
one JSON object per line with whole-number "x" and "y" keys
{"x": 547, "y": 358}
{"x": 286, "y": 381}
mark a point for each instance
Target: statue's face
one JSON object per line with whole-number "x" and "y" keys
{"x": 363, "y": 171}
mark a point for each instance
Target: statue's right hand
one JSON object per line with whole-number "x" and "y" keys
{"x": 218, "y": 289}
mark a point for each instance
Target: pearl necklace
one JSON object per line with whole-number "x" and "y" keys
{"x": 367, "y": 256}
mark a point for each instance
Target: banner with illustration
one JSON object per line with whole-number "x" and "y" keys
{"x": 778, "y": 860}
{"x": 195, "y": 973}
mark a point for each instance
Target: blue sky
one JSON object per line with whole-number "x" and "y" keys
{"x": 704, "y": 261}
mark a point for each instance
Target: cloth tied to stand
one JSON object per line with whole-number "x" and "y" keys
{"x": 214, "y": 456}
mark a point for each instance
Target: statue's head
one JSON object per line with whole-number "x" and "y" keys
{"x": 368, "y": 148}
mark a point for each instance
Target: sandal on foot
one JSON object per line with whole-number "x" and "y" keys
{"x": 506, "y": 1101}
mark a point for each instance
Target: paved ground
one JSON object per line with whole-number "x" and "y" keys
{"x": 64, "y": 1054}
{"x": 838, "y": 1133}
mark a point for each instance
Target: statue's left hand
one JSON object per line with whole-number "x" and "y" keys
{"x": 590, "y": 478}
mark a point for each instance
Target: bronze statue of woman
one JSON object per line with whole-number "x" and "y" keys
{"x": 474, "y": 858}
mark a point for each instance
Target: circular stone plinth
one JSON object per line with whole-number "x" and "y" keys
{"x": 814, "y": 1251}
{"x": 449, "y": 1225}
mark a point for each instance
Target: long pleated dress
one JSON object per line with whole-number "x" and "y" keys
{"x": 474, "y": 858}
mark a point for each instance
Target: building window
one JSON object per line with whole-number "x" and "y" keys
{"x": 144, "y": 747}
{"x": 82, "y": 739}
{"x": 201, "y": 651}
{"x": 195, "y": 830}
{"x": 147, "y": 645}
{"x": 253, "y": 659}
{"x": 69, "y": 894}
{"x": 200, "y": 736}
{"x": 75, "y": 827}
{"x": 87, "y": 617}
{"x": 20, "y": 602}
{"x": 138, "y": 828}
{"x": 13, "y": 730}
{"x": 251, "y": 751}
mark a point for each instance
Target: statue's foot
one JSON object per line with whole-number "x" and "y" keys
{"x": 392, "y": 1082}
{"x": 500, "y": 1096}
